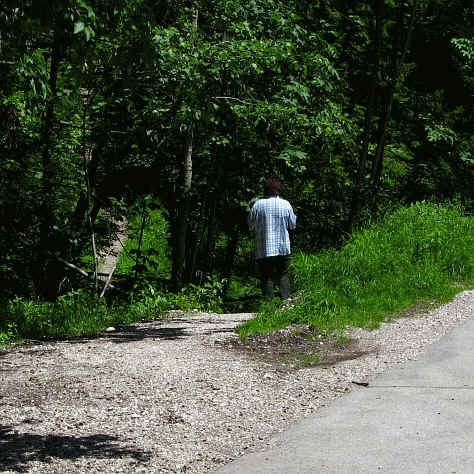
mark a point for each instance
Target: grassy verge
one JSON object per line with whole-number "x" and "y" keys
{"x": 414, "y": 255}
{"x": 80, "y": 313}
{"x": 74, "y": 314}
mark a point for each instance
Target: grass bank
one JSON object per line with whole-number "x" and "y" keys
{"x": 414, "y": 255}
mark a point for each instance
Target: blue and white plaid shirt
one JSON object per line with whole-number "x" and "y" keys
{"x": 270, "y": 219}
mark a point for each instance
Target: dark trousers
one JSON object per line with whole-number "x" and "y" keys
{"x": 274, "y": 269}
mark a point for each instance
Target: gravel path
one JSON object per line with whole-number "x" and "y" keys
{"x": 169, "y": 396}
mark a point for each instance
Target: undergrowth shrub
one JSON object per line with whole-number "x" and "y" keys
{"x": 414, "y": 254}
{"x": 80, "y": 313}
{"x": 77, "y": 312}
{"x": 149, "y": 303}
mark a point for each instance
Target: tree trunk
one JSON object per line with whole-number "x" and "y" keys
{"x": 193, "y": 252}
{"x": 231, "y": 250}
{"x": 211, "y": 237}
{"x": 385, "y": 120}
{"x": 183, "y": 214}
{"x": 77, "y": 220}
{"x": 87, "y": 159}
{"x": 140, "y": 240}
{"x": 184, "y": 204}
{"x": 47, "y": 280}
{"x": 359, "y": 191}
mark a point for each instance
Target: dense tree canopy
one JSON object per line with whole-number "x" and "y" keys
{"x": 357, "y": 106}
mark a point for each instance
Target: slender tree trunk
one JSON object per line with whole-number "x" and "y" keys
{"x": 184, "y": 204}
{"x": 47, "y": 279}
{"x": 197, "y": 248}
{"x": 369, "y": 114}
{"x": 360, "y": 191}
{"x": 231, "y": 250}
{"x": 183, "y": 214}
{"x": 394, "y": 84}
{"x": 195, "y": 16}
{"x": 140, "y": 240}
{"x": 86, "y": 154}
{"x": 77, "y": 220}
{"x": 211, "y": 237}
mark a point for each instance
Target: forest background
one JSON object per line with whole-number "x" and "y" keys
{"x": 170, "y": 114}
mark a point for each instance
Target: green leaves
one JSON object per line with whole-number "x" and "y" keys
{"x": 78, "y": 27}
{"x": 270, "y": 87}
{"x": 438, "y": 132}
{"x": 294, "y": 159}
{"x": 84, "y": 19}
{"x": 465, "y": 47}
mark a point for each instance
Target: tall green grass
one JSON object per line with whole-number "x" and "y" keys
{"x": 415, "y": 254}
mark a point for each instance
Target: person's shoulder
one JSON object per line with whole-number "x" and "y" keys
{"x": 258, "y": 203}
{"x": 284, "y": 202}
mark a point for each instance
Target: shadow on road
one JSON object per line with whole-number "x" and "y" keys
{"x": 181, "y": 328}
{"x": 18, "y": 450}
{"x": 133, "y": 333}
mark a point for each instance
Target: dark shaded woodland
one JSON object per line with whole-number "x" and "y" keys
{"x": 186, "y": 106}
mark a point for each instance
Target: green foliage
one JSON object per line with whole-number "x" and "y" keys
{"x": 9, "y": 334}
{"x": 465, "y": 49}
{"x": 413, "y": 255}
{"x": 75, "y": 313}
{"x": 242, "y": 286}
{"x": 110, "y": 91}
{"x": 148, "y": 304}
{"x": 205, "y": 297}
{"x": 80, "y": 313}
{"x": 153, "y": 256}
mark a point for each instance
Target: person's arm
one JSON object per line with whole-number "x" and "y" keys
{"x": 252, "y": 220}
{"x": 291, "y": 218}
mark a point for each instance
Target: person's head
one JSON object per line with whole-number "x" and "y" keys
{"x": 272, "y": 187}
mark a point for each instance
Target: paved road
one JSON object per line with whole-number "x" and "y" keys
{"x": 418, "y": 419}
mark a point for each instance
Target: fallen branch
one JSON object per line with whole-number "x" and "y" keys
{"x": 80, "y": 270}
{"x": 74, "y": 267}
{"x": 107, "y": 282}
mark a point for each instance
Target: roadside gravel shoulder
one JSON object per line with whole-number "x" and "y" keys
{"x": 173, "y": 396}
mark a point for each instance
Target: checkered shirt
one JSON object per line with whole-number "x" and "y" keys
{"x": 270, "y": 219}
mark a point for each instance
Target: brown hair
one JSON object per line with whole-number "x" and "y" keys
{"x": 272, "y": 187}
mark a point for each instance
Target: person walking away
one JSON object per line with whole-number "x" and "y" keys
{"x": 270, "y": 219}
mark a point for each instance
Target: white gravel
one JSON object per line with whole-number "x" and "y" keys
{"x": 164, "y": 397}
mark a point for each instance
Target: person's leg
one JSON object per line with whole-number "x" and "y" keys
{"x": 283, "y": 268}
{"x": 266, "y": 276}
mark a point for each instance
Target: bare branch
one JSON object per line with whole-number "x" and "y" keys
{"x": 107, "y": 282}
{"x": 236, "y": 99}
{"x": 80, "y": 270}
{"x": 77, "y": 269}
{"x": 73, "y": 125}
